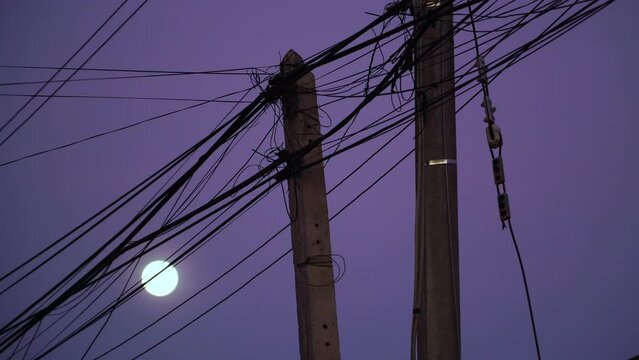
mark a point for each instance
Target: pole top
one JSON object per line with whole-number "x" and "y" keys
{"x": 291, "y": 59}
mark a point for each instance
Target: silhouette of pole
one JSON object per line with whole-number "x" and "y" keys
{"x": 315, "y": 293}
{"x": 436, "y": 259}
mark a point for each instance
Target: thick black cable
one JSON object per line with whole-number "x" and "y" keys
{"x": 97, "y": 285}
{"x": 138, "y": 287}
{"x": 223, "y": 300}
{"x": 237, "y": 264}
{"x": 124, "y": 198}
{"x": 231, "y": 128}
{"x": 347, "y": 119}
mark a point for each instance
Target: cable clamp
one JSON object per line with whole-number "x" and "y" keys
{"x": 283, "y": 154}
{"x": 283, "y": 174}
{"x": 274, "y": 90}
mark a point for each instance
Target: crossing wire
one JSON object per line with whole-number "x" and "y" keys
{"x": 161, "y": 201}
{"x": 66, "y": 63}
{"x": 508, "y": 61}
{"x": 16, "y": 129}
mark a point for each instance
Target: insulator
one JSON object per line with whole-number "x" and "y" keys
{"x": 498, "y": 171}
{"x": 504, "y": 207}
{"x": 493, "y": 134}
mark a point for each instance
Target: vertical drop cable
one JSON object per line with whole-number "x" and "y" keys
{"x": 508, "y": 222}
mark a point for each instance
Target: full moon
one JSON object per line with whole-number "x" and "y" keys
{"x": 165, "y": 281}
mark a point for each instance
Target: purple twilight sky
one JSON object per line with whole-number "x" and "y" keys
{"x": 568, "y": 117}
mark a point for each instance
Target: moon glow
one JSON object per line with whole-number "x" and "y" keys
{"x": 165, "y": 281}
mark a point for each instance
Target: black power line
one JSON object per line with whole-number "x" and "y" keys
{"x": 230, "y": 71}
{"x": 111, "y": 97}
{"x": 2, "y": 142}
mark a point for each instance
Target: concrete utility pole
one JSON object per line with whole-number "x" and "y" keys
{"x": 316, "y": 309}
{"x": 437, "y": 259}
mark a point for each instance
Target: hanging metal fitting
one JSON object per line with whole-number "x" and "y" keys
{"x": 498, "y": 171}
{"x": 493, "y": 135}
{"x": 489, "y": 109}
{"x": 504, "y": 207}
